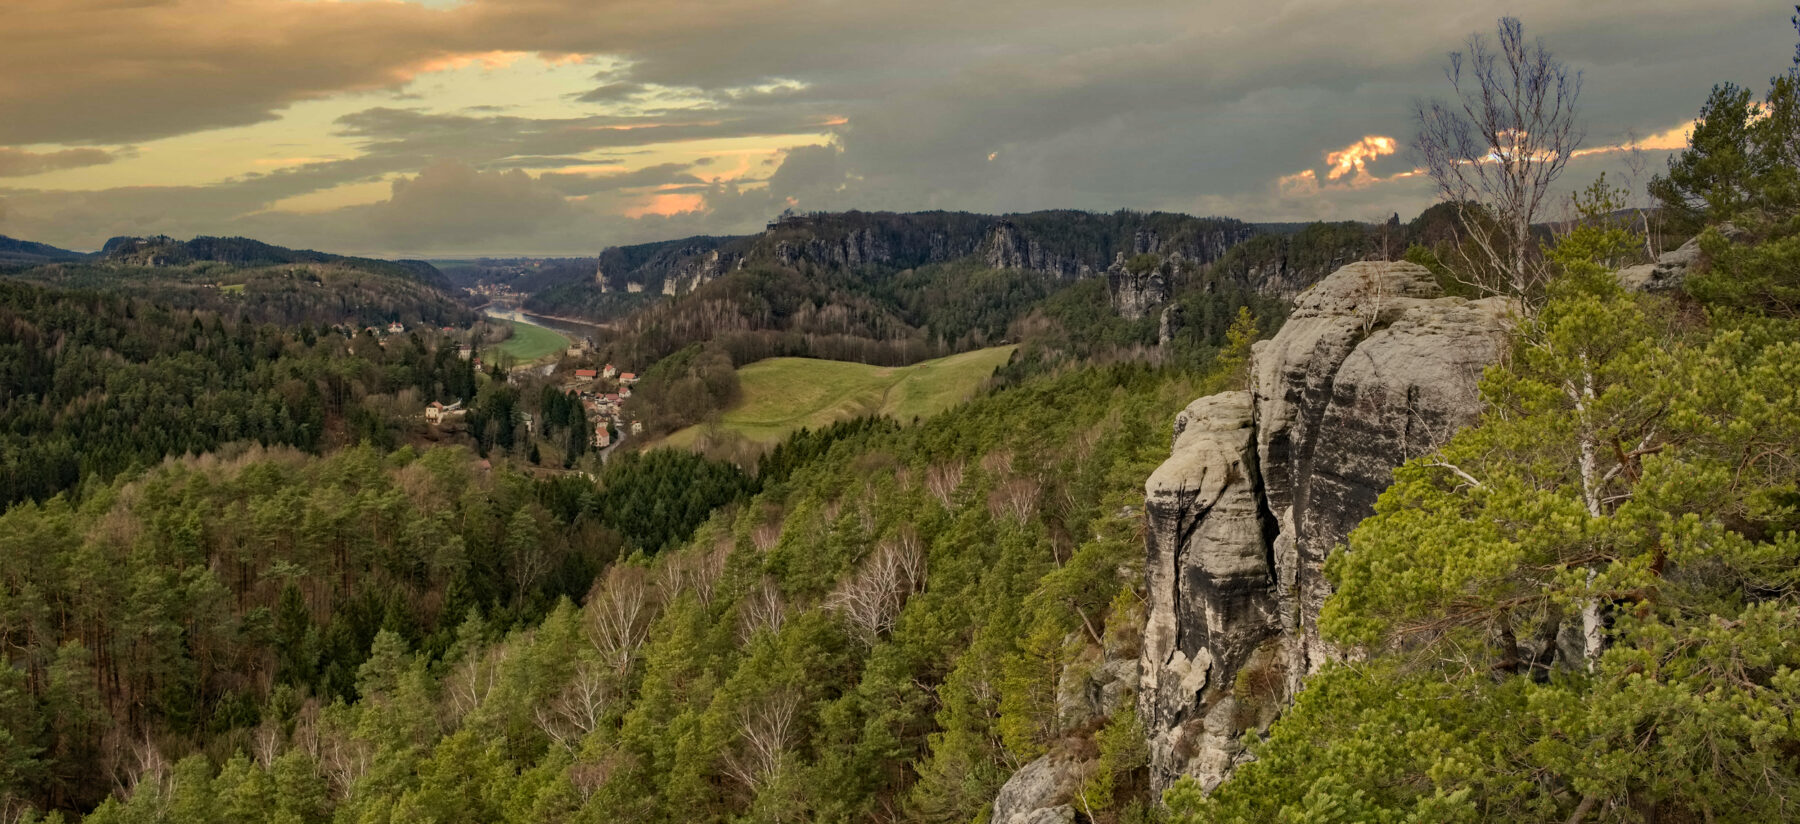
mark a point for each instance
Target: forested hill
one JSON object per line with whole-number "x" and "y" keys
{"x": 93, "y": 383}
{"x": 13, "y": 250}
{"x": 162, "y": 250}
{"x": 876, "y": 634}
{"x": 257, "y": 281}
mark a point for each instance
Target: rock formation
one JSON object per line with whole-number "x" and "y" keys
{"x": 1374, "y": 367}
{"x": 1039, "y": 792}
{"x": 1669, "y": 271}
{"x": 1134, "y": 293}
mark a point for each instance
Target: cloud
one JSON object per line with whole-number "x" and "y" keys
{"x": 581, "y": 184}
{"x": 19, "y": 163}
{"x": 924, "y": 104}
{"x": 450, "y": 201}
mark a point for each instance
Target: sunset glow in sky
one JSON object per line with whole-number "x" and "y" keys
{"x": 563, "y": 126}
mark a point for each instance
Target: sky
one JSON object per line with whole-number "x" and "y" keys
{"x": 559, "y": 127}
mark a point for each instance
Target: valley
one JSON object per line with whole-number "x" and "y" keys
{"x": 626, "y": 472}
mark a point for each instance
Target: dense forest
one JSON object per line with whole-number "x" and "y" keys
{"x": 92, "y": 383}
{"x": 178, "y": 610}
{"x": 782, "y": 664}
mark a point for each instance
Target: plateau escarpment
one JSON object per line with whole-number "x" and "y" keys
{"x": 1375, "y": 367}
{"x": 1058, "y": 245}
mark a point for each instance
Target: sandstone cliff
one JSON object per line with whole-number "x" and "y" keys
{"x": 1374, "y": 367}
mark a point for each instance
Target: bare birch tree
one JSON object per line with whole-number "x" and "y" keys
{"x": 763, "y": 609}
{"x": 619, "y": 613}
{"x": 871, "y": 598}
{"x": 578, "y": 709}
{"x": 1496, "y": 149}
{"x": 765, "y": 734}
{"x": 943, "y": 480}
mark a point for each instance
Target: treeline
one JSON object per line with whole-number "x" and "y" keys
{"x": 882, "y": 632}
{"x": 179, "y": 611}
{"x": 339, "y": 291}
{"x": 93, "y": 383}
{"x": 243, "y": 252}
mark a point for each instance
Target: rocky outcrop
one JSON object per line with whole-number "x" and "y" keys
{"x": 671, "y": 267}
{"x": 858, "y": 247}
{"x": 1008, "y": 247}
{"x": 697, "y": 270}
{"x": 1373, "y": 368}
{"x": 1670, "y": 270}
{"x": 1137, "y": 289}
{"x": 1039, "y": 792}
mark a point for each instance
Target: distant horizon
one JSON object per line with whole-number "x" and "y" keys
{"x": 470, "y": 256}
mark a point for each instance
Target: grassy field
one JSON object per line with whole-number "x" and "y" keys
{"x": 530, "y": 342}
{"x": 784, "y": 394}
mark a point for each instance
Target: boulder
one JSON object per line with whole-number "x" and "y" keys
{"x": 1038, "y": 793}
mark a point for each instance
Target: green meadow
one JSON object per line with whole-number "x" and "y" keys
{"x": 781, "y": 395}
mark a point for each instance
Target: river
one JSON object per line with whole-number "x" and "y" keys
{"x": 574, "y": 330}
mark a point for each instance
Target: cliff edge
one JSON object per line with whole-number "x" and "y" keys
{"x": 1376, "y": 366}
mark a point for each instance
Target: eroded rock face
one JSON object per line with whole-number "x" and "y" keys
{"x": 1135, "y": 293}
{"x": 1373, "y": 368}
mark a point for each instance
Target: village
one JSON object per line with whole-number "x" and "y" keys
{"x": 602, "y": 392}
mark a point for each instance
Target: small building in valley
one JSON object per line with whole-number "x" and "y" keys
{"x": 437, "y": 413}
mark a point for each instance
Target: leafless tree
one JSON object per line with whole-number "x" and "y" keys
{"x": 618, "y": 614}
{"x": 473, "y": 680}
{"x": 943, "y": 480}
{"x": 144, "y": 765}
{"x": 577, "y": 710}
{"x": 766, "y": 730}
{"x": 344, "y": 758}
{"x": 265, "y": 746}
{"x": 765, "y": 536}
{"x": 763, "y": 609}
{"x": 871, "y": 598}
{"x": 589, "y": 775}
{"x": 705, "y": 569}
{"x": 1498, "y": 147}
{"x": 1017, "y": 498}
{"x": 1636, "y": 165}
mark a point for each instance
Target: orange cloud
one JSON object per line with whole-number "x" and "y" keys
{"x": 489, "y": 60}
{"x": 1674, "y": 139}
{"x": 1299, "y": 183}
{"x": 1348, "y": 165}
{"x": 664, "y": 205}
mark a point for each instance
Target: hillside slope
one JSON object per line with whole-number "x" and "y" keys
{"x": 783, "y": 395}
